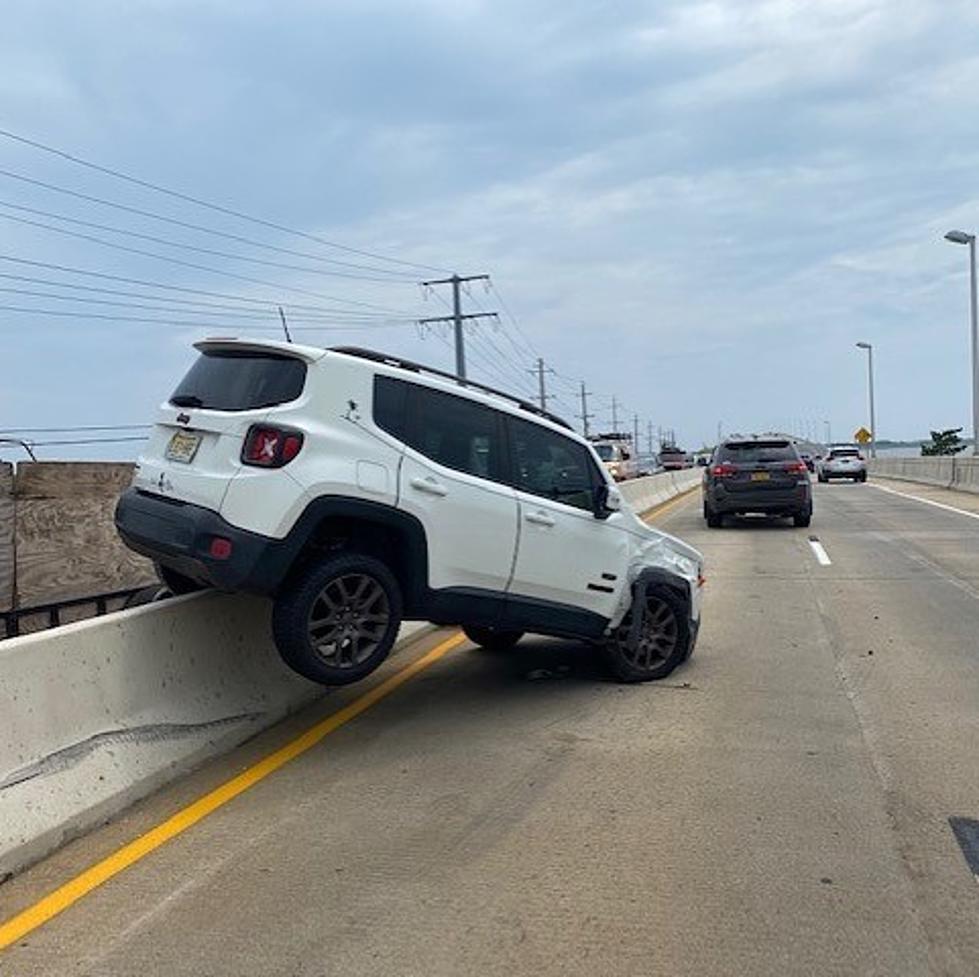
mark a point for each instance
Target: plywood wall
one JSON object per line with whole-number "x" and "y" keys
{"x": 64, "y": 541}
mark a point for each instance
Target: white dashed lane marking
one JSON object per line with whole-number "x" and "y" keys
{"x": 820, "y": 552}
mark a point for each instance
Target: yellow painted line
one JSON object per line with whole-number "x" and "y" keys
{"x": 17, "y": 927}
{"x": 666, "y": 507}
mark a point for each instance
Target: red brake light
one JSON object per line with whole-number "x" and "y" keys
{"x": 797, "y": 467}
{"x": 270, "y": 447}
{"x": 723, "y": 470}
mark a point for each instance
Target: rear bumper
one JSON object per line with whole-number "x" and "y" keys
{"x": 178, "y": 535}
{"x": 760, "y": 500}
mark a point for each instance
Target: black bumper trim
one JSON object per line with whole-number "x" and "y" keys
{"x": 178, "y": 535}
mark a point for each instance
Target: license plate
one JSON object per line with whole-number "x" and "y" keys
{"x": 760, "y": 476}
{"x": 183, "y": 446}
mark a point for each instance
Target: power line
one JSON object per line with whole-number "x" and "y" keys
{"x": 217, "y": 271}
{"x": 71, "y": 429}
{"x": 146, "y": 283}
{"x": 228, "y": 313}
{"x": 189, "y": 225}
{"x": 167, "y": 242}
{"x": 274, "y": 323}
{"x": 217, "y": 208}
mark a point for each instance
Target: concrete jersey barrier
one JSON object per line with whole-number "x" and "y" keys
{"x": 644, "y": 493}
{"x": 949, "y": 471}
{"x": 98, "y": 714}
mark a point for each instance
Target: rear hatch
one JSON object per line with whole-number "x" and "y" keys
{"x": 195, "y": 448}
{"x": 845, "y": 459}
{"x": 759, "y": 466}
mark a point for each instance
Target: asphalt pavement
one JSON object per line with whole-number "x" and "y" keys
{"x": 781, "y": 805}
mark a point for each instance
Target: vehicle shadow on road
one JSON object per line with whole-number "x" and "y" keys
{"x": 756, "y": 523}
{"x": 542, "y": 660}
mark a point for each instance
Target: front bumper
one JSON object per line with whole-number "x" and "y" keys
{"x": 178, "y": 535}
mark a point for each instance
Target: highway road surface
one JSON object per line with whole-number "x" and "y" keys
{"x": 783, "y": 805}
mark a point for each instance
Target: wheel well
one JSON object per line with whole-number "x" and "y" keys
{"x": 392, "y": 544}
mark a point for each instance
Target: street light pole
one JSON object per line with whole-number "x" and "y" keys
{"x": 960, "y": 237}
{"x": 870, "y": 386}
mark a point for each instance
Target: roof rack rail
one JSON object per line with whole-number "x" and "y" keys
{"x": 403, "y": 364}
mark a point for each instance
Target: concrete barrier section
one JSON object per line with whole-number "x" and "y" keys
{"x": 97, "y": 714}
{"x": 645, "y": 493}
{"x": 951, "y": 471}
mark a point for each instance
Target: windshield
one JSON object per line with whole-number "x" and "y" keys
{"x": 233, "y": 380}
{"x": 605, "y": 451}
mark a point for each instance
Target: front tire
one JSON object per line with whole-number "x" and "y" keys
{"x": 490, "y": 638}
{"x": 663, "y": 644}
{"x": 339, "y": 619}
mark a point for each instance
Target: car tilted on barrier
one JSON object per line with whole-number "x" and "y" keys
{"x": 359, "y": 490}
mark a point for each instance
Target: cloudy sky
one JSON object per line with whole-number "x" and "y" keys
{"x": 696, "y": 207}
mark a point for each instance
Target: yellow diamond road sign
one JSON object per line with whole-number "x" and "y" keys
{"x": 863, "y": 435}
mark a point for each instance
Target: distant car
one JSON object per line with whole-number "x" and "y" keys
{"x": 843, "y": 462}
{"x": 758, "y": 475}
{"x": 809, "y": 460}
{"x": 672, "y": 458}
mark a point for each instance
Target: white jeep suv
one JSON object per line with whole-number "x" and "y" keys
{"x": 358, "y": 490}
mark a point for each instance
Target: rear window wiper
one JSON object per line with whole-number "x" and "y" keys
{"x": 186, "y": 400}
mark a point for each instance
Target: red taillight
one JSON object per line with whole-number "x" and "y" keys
{"x": 796, "y": 467}
{"x": 270, "y": 447}
{"x": 723, "y": 470}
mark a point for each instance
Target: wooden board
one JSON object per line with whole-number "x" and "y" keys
{"x": 68, "y": 547}
{"x": 6, "y": 536}
{"x": 71, "y": 479}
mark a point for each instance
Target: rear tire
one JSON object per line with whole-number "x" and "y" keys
{"x": 339, "y": 619}
{"x": 664, "y": 644}
{"x": 802, "y": 519}
{"x": 490, "y": 638}
{"x": 714, "y": 519}
{"x": 863, "y": 477}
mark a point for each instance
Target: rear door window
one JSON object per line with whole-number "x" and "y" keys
{"x": 756, "y": 452}
{"x": 238, "y": 380}
{"x": 456, "y": 432}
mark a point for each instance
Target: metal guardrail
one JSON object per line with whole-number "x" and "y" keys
{"x": 11, "y": 619}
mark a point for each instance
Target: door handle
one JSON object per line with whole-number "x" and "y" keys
{"x": 540, "y": 518}
{"x": 429, "y": 485}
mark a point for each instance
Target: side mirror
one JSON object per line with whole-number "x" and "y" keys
{"x": 606, "y": 500}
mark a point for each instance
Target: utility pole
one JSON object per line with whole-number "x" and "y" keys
{"x": 457, "y": 318}
{"x": 635, "y": 433}
{"x": 539, "y": 370}
{"x": 649, "y": 437}
{"x": 615, "y": 414}
{"x": 584, "y": 415}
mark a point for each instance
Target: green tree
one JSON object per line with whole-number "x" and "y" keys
{"x": 945, "y": 442}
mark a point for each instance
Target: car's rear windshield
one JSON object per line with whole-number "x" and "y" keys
{"x": 750, "y": 452}
{"x": 240, "y": 380}
{"x": 844, "y": 453}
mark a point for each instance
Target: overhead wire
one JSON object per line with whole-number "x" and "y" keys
{"x": 197, "y": 201}
{"x": 190, "y": 225}
{"x": 183, "y": 246}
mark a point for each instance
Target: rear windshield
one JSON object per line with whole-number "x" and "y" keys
{"x": 678, "y": 452}
{"x": 240, "y": 380}
{"x": 844, "y": 453}
{"x": 757, "y": 451}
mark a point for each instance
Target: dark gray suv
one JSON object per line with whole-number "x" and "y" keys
{"x": 764, "y": 475}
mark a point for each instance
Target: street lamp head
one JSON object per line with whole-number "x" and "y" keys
{"x": 864, "y": 346}
{"x": 960, "y": 237}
